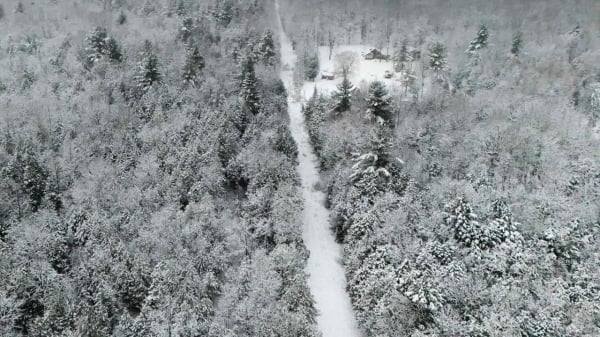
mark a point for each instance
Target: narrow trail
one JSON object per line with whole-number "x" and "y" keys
{"x": 326, "y": 275}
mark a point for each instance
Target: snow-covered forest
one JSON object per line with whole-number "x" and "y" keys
{"x": 466, "y": 197}
{"x": 221, "y": 168}
{"x": 148, "y": 182}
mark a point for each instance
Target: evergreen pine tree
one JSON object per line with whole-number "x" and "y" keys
{"x": 343, "y": 95}
{"x": 224, "y": 14}
{"x": 437, "y": 57}
{"x": 97, "y": 44}
{"x": 460, "y": 217}
{"x": 122, "y": 18}
{"x": 29, "y": 175}
{"x": 409, "y": 78}
{"x": 480, "y": 42}
{"x": 311, "y": 67}
{"x": 100, "y": 44}
{"x": 186, "y": 29}
{"x": 266, "y": 48}
{"x": 401, "y": 56}
{"x": 113, "y": 50}
{"x": 194, "y": 63}
{"x": 97, "y": 39}
{"x": 379, "y": 103}
{"x": 595, "y": 102}
{"x": 249, "y": 86}
{"x": 376, "y": 169}
{"x": 148, "y": 72}
{"x": 181, "y": 8}
{"x": 517, "y": 43}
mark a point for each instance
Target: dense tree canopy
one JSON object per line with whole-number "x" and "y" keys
{"x": 132, "y": 201}
{"x": 488, "y": 224}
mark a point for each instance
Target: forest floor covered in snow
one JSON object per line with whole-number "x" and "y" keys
{"x": 362, "y": 72}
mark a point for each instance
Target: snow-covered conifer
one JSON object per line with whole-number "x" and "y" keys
{"x": 249, "y": 91}
{"x": 343, "y": 95}
{"x": 379, "y": 103}
{"x": 480, "y": 41}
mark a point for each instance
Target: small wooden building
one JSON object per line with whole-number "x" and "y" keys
{"x": 327, "y": 75}
{"x": 375, "y": 54}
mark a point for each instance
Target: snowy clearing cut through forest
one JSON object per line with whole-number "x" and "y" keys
{"x": 326, "y": 275}
{"x": 362, "y": 72}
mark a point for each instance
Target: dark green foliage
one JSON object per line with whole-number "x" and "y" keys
{"x": 467, "y": 230}
{"x": 375, "y": 169}
{"x": 1, "y": 12}
{"x": 265, "y": 49}
{"x": 249, "y": 90}
{"x": 30, "y": 44}
{"x": 99, "y": 45}
{"x": 148, "y": 71}
{"x": 122, "y": 19}
{"x": 437, "y": 57}
{"x": 27, "y": 79}
{"x": 228, "y": 143}
{"x": 285, "y": 144}
{"x": 20, "y": 8}
{"x": 401, "y": 56}
{"x": 517, "y": 43}
{"x": 311, "y": 67}
{"x": 59, "y": 254}
{"x": 194, "y": 63}
{"x": 379, "y": 103}
{"x": 315, "y": 114}
{"x": 29, "y": 175}
{"x": 113, "y": 50}
{"x": 185, "y": 32}
{"x": 343, "y": 95}
{"x": 224, "y": 13}
{"x": 97, "y": 40}
{"x": 460, "y": 217}
{"x": 480, "y": 42}
{"x": 181, "y": 8}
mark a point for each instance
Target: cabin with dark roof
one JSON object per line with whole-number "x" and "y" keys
{"x": 375, "y": 54}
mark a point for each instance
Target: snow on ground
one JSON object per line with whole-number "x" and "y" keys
{"x": 362, "y": 73}
{"x": 326, "y": 281}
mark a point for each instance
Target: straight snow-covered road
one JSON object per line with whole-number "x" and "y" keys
{"x": 326, "y": 275}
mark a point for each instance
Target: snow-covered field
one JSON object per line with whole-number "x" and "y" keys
{"x": 361, "y": 74}
{"x": 326, "y": 275}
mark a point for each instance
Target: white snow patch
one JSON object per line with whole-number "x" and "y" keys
{"x": 326, "y": 276}
{"x": 362, "y": 73}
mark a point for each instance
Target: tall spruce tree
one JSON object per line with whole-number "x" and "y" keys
{"x": 311, "y": 66}
{"x": 101, "y": 44}
{"x": 437, "y": 57}
{"x": 148, "y": 71}
{"x": 186, "y": 29}
{"x": 266, "y": 48}
{"x": 249, "y": 90}
{"x": 379, "y": 103}
{"x": 113, "y": 50}
{"x": 343, "y": 95}
{"x": 401, "y": 56}
{"x": 480, "y": 42}
{"x": 194, "y": 63}
{"x": 517, "y": 43}
{"x": 376, "y": 169}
